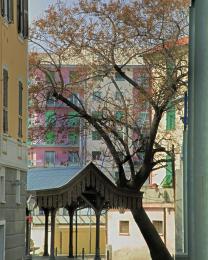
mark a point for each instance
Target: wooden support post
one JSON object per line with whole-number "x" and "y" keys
{"x": 71, "y": 215}
{"x": 53, "y": 219}
{"x": 46, "y": 212}
{"x": 97, "y": 243}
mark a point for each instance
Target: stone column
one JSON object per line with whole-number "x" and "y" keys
{"x": 97, "y": 239}
{"x": 45, "y": 253}
{"x": 71, "y": 214}
{"x": 28, "y": 235}
{"x": 53, "y": 219}
{"x": 198, "y": 133}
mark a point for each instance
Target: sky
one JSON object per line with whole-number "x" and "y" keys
{"x": 37, "y": 7}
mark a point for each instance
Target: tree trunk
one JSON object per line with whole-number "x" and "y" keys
{"x": 158, "y": 250}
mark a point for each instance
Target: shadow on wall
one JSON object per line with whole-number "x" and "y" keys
{"x": 131, "y": 254}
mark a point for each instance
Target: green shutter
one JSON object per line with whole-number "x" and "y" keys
{"x": 96, "y": 135}
{"x": 50, "y": 137}
{"x": 73, "y": 119}
{"x": 50, "y": 117}
{"x": 170, "y": 118}
{"x": 20, "y": 98}
{"x": 168, "y": 180}
{"x": 73, "y": 138}
{"x": 97, "y": 114}
{"x": 50, "y": 76}
{"x": 119, "y": 115}
{"x": 96, "y": 95}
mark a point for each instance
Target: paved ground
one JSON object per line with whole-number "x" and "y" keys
{"x": 61, "y": 258}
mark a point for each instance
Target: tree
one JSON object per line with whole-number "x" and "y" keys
{"x": 103, "y": 38}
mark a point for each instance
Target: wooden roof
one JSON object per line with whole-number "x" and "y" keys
{"x": 82, "y": 187}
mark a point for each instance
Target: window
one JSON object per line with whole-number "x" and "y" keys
{"x": 96, "y": 135}
{"x": 97, "y": 114}
{"x": 20, "y": 110}
{"x": 96, "y": 155}
{"x": 118, "y": 95}
{"x": 73, "y": 76}
{"x": 51, "y": 102}
{"x": 50, "y": 118}
{"x": 73, "y": 119}
{"x": 119, "y": 115}
{"x": 96, "y": 95}
{"x": 73, "y": 138}
{"x": 19, "y": 151}
{"x": 74, "y": 98}
{"x": 5, "y": 101}
{"x": 143, "y": 118}
{"x": 170, "y": 118}
{"x": 143, "y": 81}
{"x": 73, "y": 158}
{"x": 22, "y": 17}
{"x": 168, "y": 180}
{"x": 50, "y": 76}
{"x": 118, "y": 77}
{"x": 18, "y": 188}
{"x": 158, "y": 225}
{"x": 50, "y": 158}
{"x": 7, "y": 10}
{"x": 124, "y": 227}
{"x": 50, "y": 137}
{"x": 170, "y": 68}
{"x": 2, "y": 185}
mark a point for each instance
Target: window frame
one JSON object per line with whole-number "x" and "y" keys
{"x": 54, "y": 157}
{"x": 95, "y": 154}
{"x": 18, "y": 187}
{"x": 2, "y": 185}
{"x": 5, "y": 100}
{"x": 124, "y": 233}
{"x": 162, "y": 222}
{"x": 20, "y": 110}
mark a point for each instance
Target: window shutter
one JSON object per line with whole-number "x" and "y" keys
{"x": 50, "y": 118}
{"x": 20, "y": 98}
{"x": 2, "y": 8}
{"x": 11, "y": 11}
{"x": 25, "y": 18}
{"x": 170, "y": 118}
{"x": 119, "y": 115}
{"x": 18, "y": 16}
{"x": 5, "y": 84}
{"x": 73, "y": 119}
{"x": 50, "y": 137}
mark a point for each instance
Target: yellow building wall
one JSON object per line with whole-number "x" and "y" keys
{"x": 62, "y": 239}
{"x": 13, "y": 56}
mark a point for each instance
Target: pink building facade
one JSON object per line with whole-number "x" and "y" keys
{"x": 55, "y": 130}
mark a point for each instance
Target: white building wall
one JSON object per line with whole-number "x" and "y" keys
{"x": 133, "y": 246}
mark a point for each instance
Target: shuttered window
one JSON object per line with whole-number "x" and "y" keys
{"x": 97, "y": 114}
{"x": 170, "y": 118}
{"x": 50, "y": 118}
{"x": 73, "y": 119}
{"x": 7, "y": 10}
{"x": 168, "y": 180}
{"x": 73, "y": 138}
{"x": 50, "y": 137}
{"x": 50, "y": 159}
{"x": 5, "y": 101}
{"x": 96, "y": 155}
{"x": 22, "y": 17}
{"x": 20, "y": 110}
{"x": 119, "y": 115}
{"x": 96, "y": 135}
{"x": 73, "y": 158}
{"x": 124, "y": 227}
